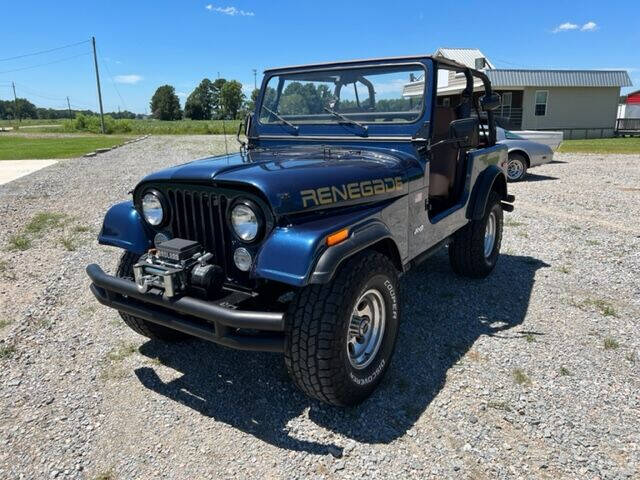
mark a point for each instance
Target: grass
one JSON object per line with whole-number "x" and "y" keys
{"x": 121, "y": 352}
{"x": 602, "y": 145}
{"x": 602, "y": 306}
{"x": 6, "y": 351}
{"x": 69, "y": 243}
{"x": 14, "y": 147}
{"x": 19, "y": 241}
{"x": 520, "y": 377}
{"x": 510, "y": 222}
{"x": 4, "y": 323}
{"x": 108, "y": 475}
{"x": 610, "y": 343}
{"x": 530, "y": 337}
{"x": 148, "y": 126}
{"x": 564, "y": 371}
{"x": 43, "y": 221}
{"x": 564, "y": 269}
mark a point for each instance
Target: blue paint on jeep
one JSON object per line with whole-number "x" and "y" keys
{"x": 123, "y": 228}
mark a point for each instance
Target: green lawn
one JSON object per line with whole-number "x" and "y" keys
{"x": 23, "y": 147}
{"x": 602, "y": 145}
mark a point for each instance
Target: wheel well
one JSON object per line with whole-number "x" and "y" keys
{"x": 388, "y": 247}
{"x": 500, "y": 186}
{"x": 523, "y": 154}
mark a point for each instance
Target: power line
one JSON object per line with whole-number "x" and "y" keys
{"x": 43, "y": 51}
{"x": 45, "y": 64}
{"x": 104, "y": 64}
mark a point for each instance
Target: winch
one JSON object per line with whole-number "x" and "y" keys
{"x": 174, "y": 266}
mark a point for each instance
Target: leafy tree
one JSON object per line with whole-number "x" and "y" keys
{"x": 216, "y": 88}
{"x": 199, "y": 105}
{"x": 165, "y": 104}
{"x": 231, "y": 98}
{"x": 251, "y": 103}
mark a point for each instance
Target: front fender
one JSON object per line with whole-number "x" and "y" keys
{"x": 297, "y": 255}
{"x": 123, "y": 228}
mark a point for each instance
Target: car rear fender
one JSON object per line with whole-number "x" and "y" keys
{"x": 492, "y": 178}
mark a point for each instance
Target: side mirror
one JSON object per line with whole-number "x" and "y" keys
{"x": 490, "y": 102}
{"x": 466, "y": 132}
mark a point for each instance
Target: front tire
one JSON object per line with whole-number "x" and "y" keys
{"x": 475, "y": 248}
{"x": 139, "y": 325}
{"x": 516, "y": 167}
{"x": 340, "y": 336}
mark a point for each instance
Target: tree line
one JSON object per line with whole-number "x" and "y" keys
{"x": 210, "y": 100}
{"x": 26, "y": 110}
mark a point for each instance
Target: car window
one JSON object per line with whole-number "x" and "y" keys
{"x": 512, "y": 136}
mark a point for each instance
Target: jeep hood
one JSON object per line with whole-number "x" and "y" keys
{"x": 302, "y": 178}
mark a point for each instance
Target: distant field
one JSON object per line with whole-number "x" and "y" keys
{"x": 135, "y": 127}
{"x": 21, "y": 147}
{"x": 30, "y": 121}
{"x": 602, "y": 145}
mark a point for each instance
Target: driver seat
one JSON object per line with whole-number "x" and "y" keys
{"x": 444, "y": 157}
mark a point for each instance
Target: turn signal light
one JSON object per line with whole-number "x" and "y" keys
{"x": 337, "y": 237}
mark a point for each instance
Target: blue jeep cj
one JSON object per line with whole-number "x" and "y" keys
{"x": 351, "y": 174}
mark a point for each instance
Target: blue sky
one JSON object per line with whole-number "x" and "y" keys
{"x": 144, "y": 44}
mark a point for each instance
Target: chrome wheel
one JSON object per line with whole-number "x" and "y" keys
{"x": 366, "y": 328}
{"x": 490, "y": 234}
{"x": 515, "y": 169}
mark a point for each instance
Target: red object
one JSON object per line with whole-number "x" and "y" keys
{"x": 633, "y": 98}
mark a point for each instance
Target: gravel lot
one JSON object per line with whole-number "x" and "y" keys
{"x": 531, "y": 373}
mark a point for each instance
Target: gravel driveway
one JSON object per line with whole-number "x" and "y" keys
{"x": 531, "y": 373}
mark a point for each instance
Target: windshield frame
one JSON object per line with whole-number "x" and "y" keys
{"x": 325, "y": 68}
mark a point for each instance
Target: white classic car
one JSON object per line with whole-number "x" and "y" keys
{"x": 527, "y": 149}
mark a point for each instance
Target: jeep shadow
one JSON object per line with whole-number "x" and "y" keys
{"x": 443, "y": 316}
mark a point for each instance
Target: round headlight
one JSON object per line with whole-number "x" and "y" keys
{"x": 152, "y": 209}
{"x": 244, "y": 221}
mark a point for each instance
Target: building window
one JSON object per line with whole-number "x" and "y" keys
{"x": 505, "y": 110}
{"x": 541, "y": 103}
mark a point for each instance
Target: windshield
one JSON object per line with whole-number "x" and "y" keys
{"x": 350, "y": 95}
{"x": 512, "y": 136}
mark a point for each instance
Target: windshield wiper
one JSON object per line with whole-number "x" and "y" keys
{"x": 283, "y": 120}
{"x": 344, "y": 118}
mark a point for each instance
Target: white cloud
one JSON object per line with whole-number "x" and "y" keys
{"x": 182, "y": 94}
{"x": 231, "y": 11}
{"x": 564, "y": 27}
{"x": 128, "y": 79}
{"x": 589, "y": 27}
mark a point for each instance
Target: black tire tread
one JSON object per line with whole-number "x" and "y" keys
{"x": 311, "y": 346}
{"x": 466, "y": 252}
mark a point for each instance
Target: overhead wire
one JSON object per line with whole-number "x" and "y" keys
{"x": 43, "y": 51}
{"x": 45, "y": 64}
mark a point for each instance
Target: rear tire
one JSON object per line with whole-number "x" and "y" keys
{"x": 340, "y": 336}
{"x": 516, "y": 167}
{"x": 139, "y": 325}
{"x": 475, "y": 248}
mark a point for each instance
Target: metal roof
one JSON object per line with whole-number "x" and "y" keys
{"x": 559, "y": 78}
{"x": 465, "y": 56}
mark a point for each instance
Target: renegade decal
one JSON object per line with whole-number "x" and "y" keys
{"x": 350, "y": 191}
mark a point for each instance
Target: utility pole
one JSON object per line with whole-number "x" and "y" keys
{"x": 255, "y": 81}
{"x": 69, "y": 107}
{"x": 95, "y": 62}
{"x": 15, "y": 102}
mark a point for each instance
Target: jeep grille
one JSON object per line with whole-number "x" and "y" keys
{"x": 199, "y": 215}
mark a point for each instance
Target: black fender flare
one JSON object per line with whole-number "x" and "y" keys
{"x": 491, "y": 178}
{"x": 360, "y": 238}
